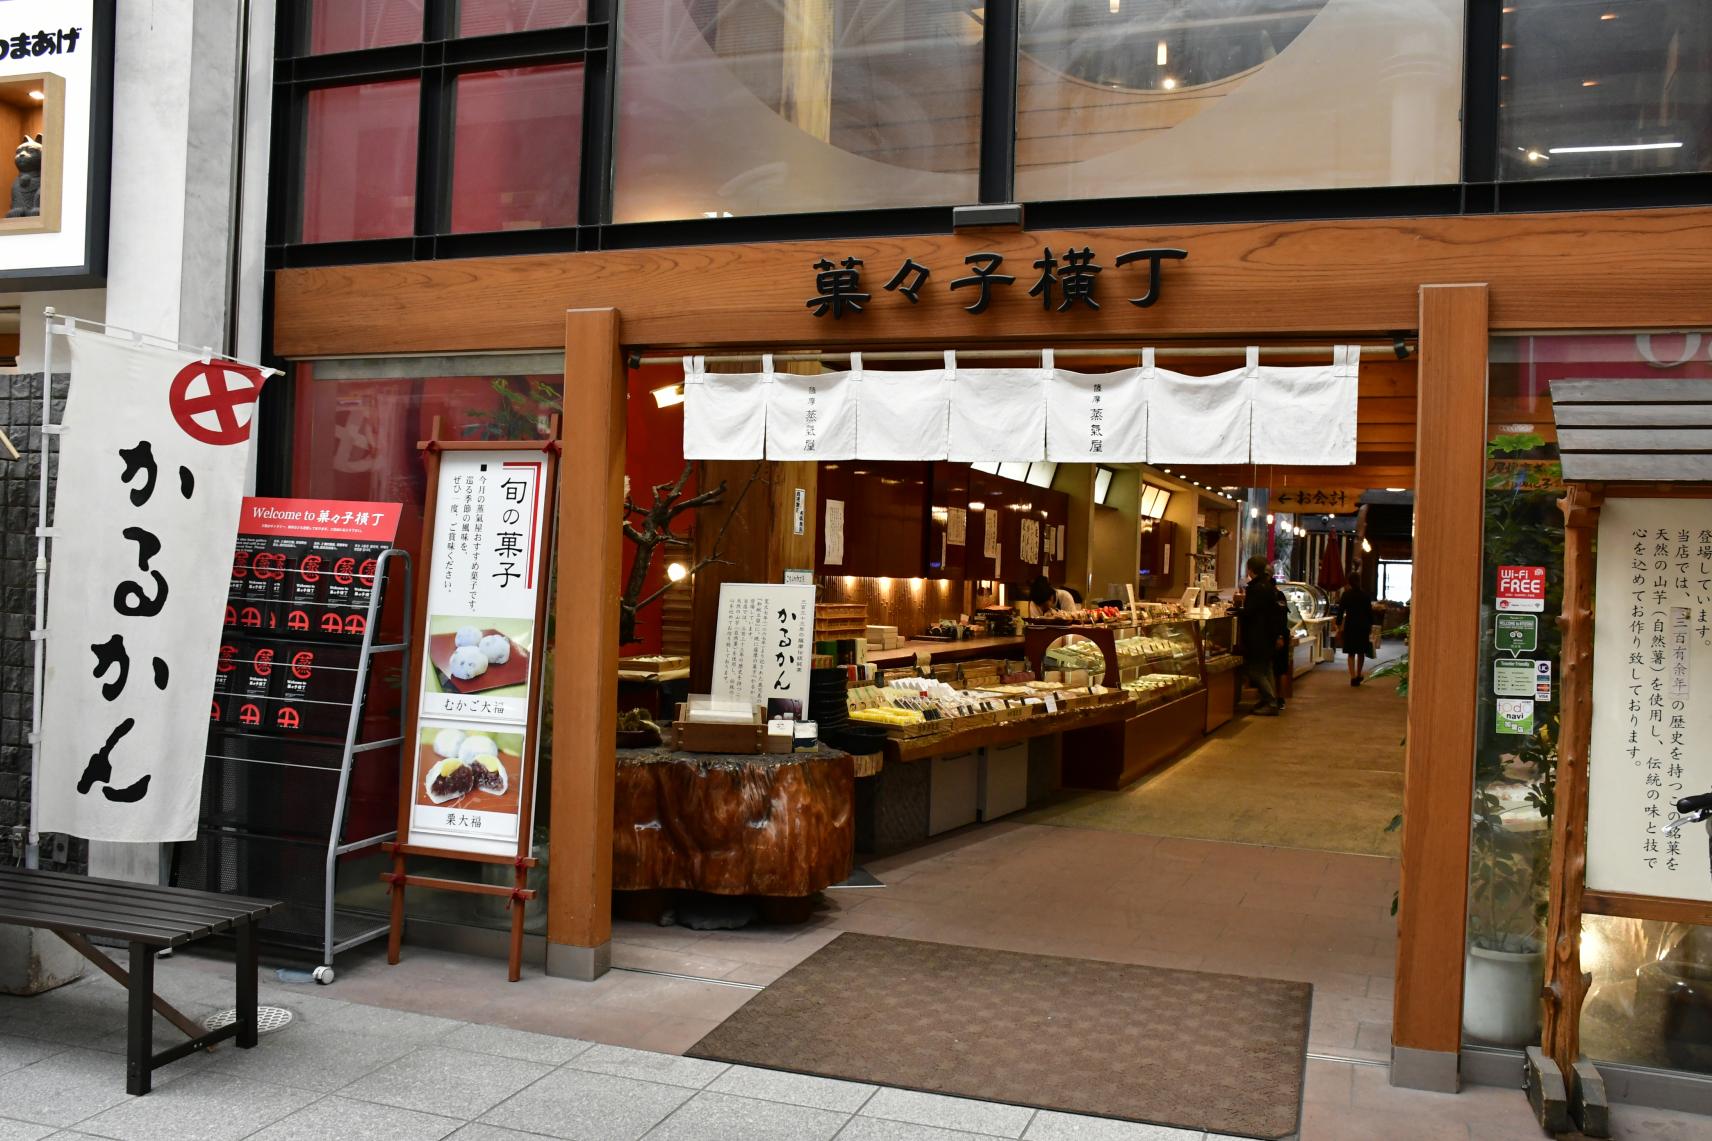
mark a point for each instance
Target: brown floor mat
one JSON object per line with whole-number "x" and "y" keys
{"x": 1221, "y": 1053}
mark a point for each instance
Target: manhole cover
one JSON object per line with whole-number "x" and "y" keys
{"x": 268, "y": 1019}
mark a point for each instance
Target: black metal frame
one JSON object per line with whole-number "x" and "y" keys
{"x": 441, "y": 56}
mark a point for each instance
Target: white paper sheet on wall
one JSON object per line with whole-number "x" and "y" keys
{"x": 956, "y": 526}
{"x": 832, "y": 528}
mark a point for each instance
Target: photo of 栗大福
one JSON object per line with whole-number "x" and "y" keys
{"x": 32, "y": 123}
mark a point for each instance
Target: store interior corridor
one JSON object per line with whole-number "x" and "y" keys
{"x": 1327, "y": 775}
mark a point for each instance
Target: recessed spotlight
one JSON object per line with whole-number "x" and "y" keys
{"x": 1168, "y": 83}
{"x": 1608, "y": 16}
{"x": 1590, "y": 83}
{"x": 38, "y": 95}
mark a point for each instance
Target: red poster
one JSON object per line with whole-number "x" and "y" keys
{"x": 1522, "y": 588}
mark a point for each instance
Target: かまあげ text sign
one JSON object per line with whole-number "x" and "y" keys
{"x": 144, "y": 516}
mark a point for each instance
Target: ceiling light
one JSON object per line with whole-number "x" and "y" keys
{"x": 1396, "y": 489}
{"x": 677, "y": 572}
{"x": 1270, "y": 519}
{"x": 1366, "y": 547}
{"x": 1590, "y": 83}
{"x": 1114, "y": 6}
{"x": 1536, "y": 156}
{"x": 669, "y": 395}
{"x": 1610, "y": 147}
{"x": 1505, "y": 47}
{"x": 977, "y": 505}
{"x": 1162, "y": 55}
{"x": 1168, "y": 83}
{"x": 1254, "y": 512}
{"x": 38, "y": 95}
{"x": 1608, "y": 16}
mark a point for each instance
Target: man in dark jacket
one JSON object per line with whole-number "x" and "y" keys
{"x": 1264, "y": 627}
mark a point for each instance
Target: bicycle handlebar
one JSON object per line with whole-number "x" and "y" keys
{"x": 1689, "y": 804}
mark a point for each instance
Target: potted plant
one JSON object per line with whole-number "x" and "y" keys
{"x": 1508, "y": 875}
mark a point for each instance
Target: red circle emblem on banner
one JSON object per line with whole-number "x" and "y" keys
{"x": 214, "y": 403}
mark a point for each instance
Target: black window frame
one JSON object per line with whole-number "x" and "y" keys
{"x": 441, "y": 56}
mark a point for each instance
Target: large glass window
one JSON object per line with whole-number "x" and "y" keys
{"x": 491, "y": 17}
{"x": 1126, "y": 98}
{"x": 350, "y": 25}
{"x": 757, "y": 107}
{"x": 359, "y": 161}
{"x": 1652, "y": 982}
{"x": 517, "y": 147}
{"x": 1601, "y": 87}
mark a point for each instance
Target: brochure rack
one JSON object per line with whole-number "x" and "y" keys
{"x": 273, "y": 804}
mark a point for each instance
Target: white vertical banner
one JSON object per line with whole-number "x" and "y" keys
{"x": 1098, "y": 417}
{"x": 1306, "y": 414}
{"x": 153, "y": 457}
{"x": 725, "y": 413}
{"x": 1200, "y": 419}
{"x": 811, "y": 417}
{"x": 998, "y": 414}
{"x": 1652, "y": 646}
{"x": 903, "y": 415}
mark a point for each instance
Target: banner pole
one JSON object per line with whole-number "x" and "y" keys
{"x": 32, "y": 845}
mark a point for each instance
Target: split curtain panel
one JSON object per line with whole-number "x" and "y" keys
{"x": 1261, "y": 414}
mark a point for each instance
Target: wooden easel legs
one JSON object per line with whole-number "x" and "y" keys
{"x": 1563, "y": 1103}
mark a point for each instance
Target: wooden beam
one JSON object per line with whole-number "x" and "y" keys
{"x": 1564, "y": 988}
{"x": 1640, "y": 269}
{"x": 1659, "y": 908}
{"x": 1438, "y": 781}
{"x": 585, "y": 644}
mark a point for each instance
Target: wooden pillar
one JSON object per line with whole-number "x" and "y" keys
{"x": 1564, "y": 986}
{"x": 1438, "y": 781}
{"x": 585, "y": 650}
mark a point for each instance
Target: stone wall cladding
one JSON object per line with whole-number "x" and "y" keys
{"x": 22, "y": 410}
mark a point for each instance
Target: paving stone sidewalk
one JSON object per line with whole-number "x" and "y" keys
{"x": 345, "y": 1070}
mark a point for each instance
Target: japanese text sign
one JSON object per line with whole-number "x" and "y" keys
{"x": 485, "y": 565}
{"x": 1521, "y": 588}
{"x": 1652, "y": 640}
{"x": 144, "y": 517}
{"x": 764, "y": 644}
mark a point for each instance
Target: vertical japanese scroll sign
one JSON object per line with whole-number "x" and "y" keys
{"x": 153, "y": 457}
{"x": 472, "y": 716}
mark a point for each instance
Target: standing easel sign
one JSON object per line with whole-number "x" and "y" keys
{"x": 472, "y": 715}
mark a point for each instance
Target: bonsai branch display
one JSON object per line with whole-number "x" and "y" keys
{"x": 652, "y": 529}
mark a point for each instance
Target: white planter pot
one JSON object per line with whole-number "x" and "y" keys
{"x": 1501, "y": 995}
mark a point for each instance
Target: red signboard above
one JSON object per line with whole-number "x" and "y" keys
{"x": 321, "y": 519}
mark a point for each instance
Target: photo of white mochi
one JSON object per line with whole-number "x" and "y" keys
{"x": 467, "y": 636}
{"x": 448, "y": 741}
{"x": 475, "y": 746}
{"x": 496, "y": 648}
{"x": 467, "y": 662}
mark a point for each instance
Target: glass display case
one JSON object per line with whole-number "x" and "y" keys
{"x": 1310, "y": 625}
{"x": 1159, "y": 661}
{"x": 1219, "y": 641}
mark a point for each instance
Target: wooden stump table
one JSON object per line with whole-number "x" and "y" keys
{"x": 779, "y": 826}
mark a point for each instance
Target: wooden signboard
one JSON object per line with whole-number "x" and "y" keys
{"x": 1315, "y": 500}
{"x": 472, "y": 713}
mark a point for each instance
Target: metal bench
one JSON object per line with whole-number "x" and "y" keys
{"x": 148, "y": 918}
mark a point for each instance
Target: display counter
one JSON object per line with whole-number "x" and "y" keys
{"x": 938, "y": 652}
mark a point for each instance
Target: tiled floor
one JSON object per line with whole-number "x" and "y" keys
{"x": 346, "y": 1069}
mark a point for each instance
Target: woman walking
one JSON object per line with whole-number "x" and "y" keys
{"x": 1355, "y": 626}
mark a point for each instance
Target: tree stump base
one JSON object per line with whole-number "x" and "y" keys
{"x": 780, "y": 826}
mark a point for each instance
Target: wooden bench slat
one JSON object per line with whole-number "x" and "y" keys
{"x": 130, "y": 933}
{"x": 75, "y": 914}
{"x": 164, "y": 907}
{"x": 248, "y": 904}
